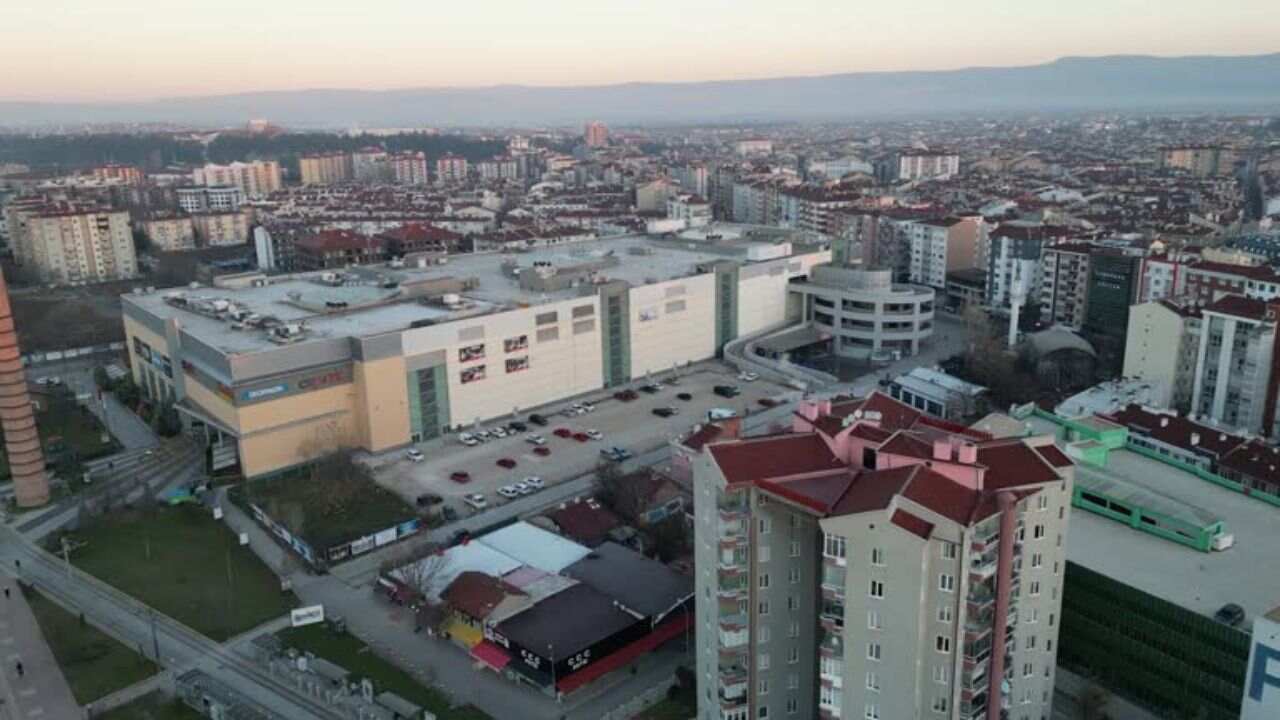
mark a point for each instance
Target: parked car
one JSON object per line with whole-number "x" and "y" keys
{"x": 415, "y": 455}
{"x": 516, "y": 426}
{"x": 448, "y": 514}
{"x": 483, "y": 435}
{"x": 461, "y": 477}
{"x": 498, "y": 432}
{"x": 721, "y": 413}
{"x": 476, "y": 500}
{"x": 768, "y": 402}
{"x": 538, "y": 420}
{"x": 460, "y": 537}
{"x": 748, "y": 376}
{"x": 428, "y": 499}
{"x": 626, "y": 395}
{"x": 593, "y": 434}
{"x": 534, "y": 482}
{"x": 684, "y": 396}
{"x": 581, "y": 437}
{"x": 507, "y": 463}
{"x": 468, "y": 439}
{"x": 522, "y": 488}
{"x": 535, "y": 439}
{"x": 1230, "y": 614}
{"x": 542, "y": 451}
{"x": 508, "y": 491}
{"x": 727, "y": 391}
{"x": 650, "y": 388}
{"x": 562, "y": 432}
{"x": 664, "y": 412}
{"x": 616, "y": 454}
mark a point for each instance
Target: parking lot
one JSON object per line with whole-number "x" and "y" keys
{"x": 630, "y": 425}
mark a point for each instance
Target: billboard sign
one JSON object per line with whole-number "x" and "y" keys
{"x": 309, "y": 615}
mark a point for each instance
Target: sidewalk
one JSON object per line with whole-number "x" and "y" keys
{"x": 42, "y": 691}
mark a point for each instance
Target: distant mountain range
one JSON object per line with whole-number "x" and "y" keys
{"x": 1123, "y": 82}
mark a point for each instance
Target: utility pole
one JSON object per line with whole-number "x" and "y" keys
{"x": 155, "y": 638}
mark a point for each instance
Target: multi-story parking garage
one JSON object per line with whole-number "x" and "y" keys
{"x": 865, "y": 313}
{"x": 276, "y": 371}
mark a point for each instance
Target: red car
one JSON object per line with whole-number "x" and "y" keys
{"x": 562, "y": 432}
{"x": 581, "y": 437}
{"x": 507, "y": 463}
{"x": 542, "y": 451}
{"x": 460, "y": 477}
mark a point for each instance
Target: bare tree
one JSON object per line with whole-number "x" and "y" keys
{"x": 418, "y": 569}
{"x": 624, "y": 494}
{"x": 1093, "y": 702}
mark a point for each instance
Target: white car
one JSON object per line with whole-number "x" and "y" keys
{"x": 535, "y": 439}
{"x": 748, "y": 377}
{"x": 587, "y": 407}
{"x": 522, "y": 488}
{"x": 483, "y": 435}
{"x": 476, "y": 500}
{"x": 593, "y": 434}
{"x": 498, "y": 432}
{"x": 509, "y": 491}
{"x": 415, "y": 455}
{"x": 534, "y": 482}
{"x": 468, "y": 439}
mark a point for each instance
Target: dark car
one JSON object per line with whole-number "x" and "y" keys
{"x": 460, "y": 477}
{"x": 684, "y": 396}
{"x": 768, "y": 402}
{"x": 626, "y": 395}
{"x": 428, "y": 499}
{"x": 517, "y": 426}
{"x": 542, "y": 451}
{"x": 507, "y": 463}
{"x": 651, "y": 389}
{"x": 664, "y": 412}
{"x": 538, "y": 420}
{"x": 727, "y": 391}
{"x": 461, "y": 537}
{"x": 562, "y": 432}
{"x": 1230, "y": 614}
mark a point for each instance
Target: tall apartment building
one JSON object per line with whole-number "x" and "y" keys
{"x": 693, "y": 178}
{"x": 409, "y": 168}
{"x": 451, "y": 168}
{"x": 1199, "y": 160}
{"x": 370, "y": 165}
{"x": 690, "y": 208}
{"x": 1064, "y": 284}
{"x": 170, "y": 233}
{"x": 1010, "y": 257}
{"x": 940, "y": 246}
{"x": 1113, "y": 288}
{"x": 215, "y": 229}
{"x": 210, "y": 198}
{"x": 1162, "y": 346}
{"x": 875, "y": 563}
{"x": 595, "y": 134}
{"x": 128, "y": 174}
{"x": 750, "y": 147}
{"x": 255, "y": 179}
{"x": 325, "y": 168}
{"x": 67, "y": 244}
{"x": 1236, "y": 377}
{"x": 909, "y": 164}
{"x": 1207, "y": 281}
{"x": 814, "y": 208}
{"x": 1161, "y": 276}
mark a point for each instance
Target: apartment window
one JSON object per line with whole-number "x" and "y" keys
{"x": 793, "y": 603}
{"x": 795, "y": 548}
{"x": 1028, "y": 669}
{"x": 877, "y": 557}
{"x": 942, "y": 644}
{"x": 762, "y": 686}
{"x": 793, "y": 657}
{"x": 766, "y": 525}
{"x": 762, "y": 661}
{"x": 1042, "y": 502}
{"x": 762, "y": 712}
{"x": 793, "y": 681}
{"x": 763, "y": 553}
{"x": 1033, "y": 615}
{"x": 833, "y": 546}
{"x": 1034, "y": 588}
{"x": 877, "y": 589}
{"x": 793, "y": 706}
{"x": 793, "y": 630}
{"x": 764, "y": 581}
{"x": 764, "y": 607}
{"x": 949, "y": 551}
{"x": 793, "y": 575}
{"x": 1037, "y": 532}
{"x": 1036, "y": 560}
{"x": 1031, "y": 642}
{"x": 873, "y": 681}
{"x": 762, "y": 636}
{"x": 1050, "y": 619}
{"x": 1048, "y": 645}
{"x": 941, "y": 674}
{"x": 873, "y": 620}
{"x": 871, "y": 712}
{"x": 946, "y": 582}
{"x": 873, "y": 650}
{"x": 944, "y": 613}
{"x": 940, "y": 704}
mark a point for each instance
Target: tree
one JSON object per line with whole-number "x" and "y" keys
{"x": 1093, "y": 702}
{"x": 671, "y": 538}
{"x": 141, "y": 243}
{"x": 101, "y": 379}
{"x": 418, "y": 569}
{"x": 624, "y": 494}
{"x": 166, "y": 420}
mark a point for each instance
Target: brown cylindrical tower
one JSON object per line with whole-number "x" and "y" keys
{"x": 21, "y": 438}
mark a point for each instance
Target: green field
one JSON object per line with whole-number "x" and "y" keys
{"x": 186, "y": 565}
{"x": 94, "y": 664}
{"x": 152, "y": 707}
{"x": 349, "y": 652}
{"x": 336, "y": 503}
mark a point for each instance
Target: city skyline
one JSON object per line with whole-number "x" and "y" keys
{"x": 179, "y": 53}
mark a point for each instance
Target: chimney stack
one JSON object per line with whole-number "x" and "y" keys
{"x": 942, "y": 449}
{"x": 21, "y": 438}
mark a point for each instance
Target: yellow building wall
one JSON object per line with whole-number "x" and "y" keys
{"x": 382, "y": 403}
{"x": 307, "y": 440}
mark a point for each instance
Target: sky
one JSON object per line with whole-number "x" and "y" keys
{"x": 74, "y": 50}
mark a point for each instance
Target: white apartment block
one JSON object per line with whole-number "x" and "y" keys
{"x": 324, "y": 168}
{"x": 255, "y": 179}
{"x": 942, "y": 246}
{"x": 409, "y": 168}
{"x": 74, "y": 245}
{"x": 1233, "y": 384}
{"x": 1162, "y": 347}
{"x": 692, "y": 209}
{"x": 869, "y": 565}
{"x": 210, "y": 198}
{"x": 1064, "y": 284}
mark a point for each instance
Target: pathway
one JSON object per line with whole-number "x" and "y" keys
{"x": 41, "y": 691}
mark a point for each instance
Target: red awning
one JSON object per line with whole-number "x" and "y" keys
{"x": 491, "y": 655}
{"x": 606, "y": 665}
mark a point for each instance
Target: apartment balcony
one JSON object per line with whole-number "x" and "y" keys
{"x": 732, "y": 586}
{"x": 984, "y": 566}
{"x": 733, "y": 683}
{"x": 733, "y": 709}
{"x": 826, "y": 712}
{"x": 978, "y": 624}
{"x": 974, "y": 709}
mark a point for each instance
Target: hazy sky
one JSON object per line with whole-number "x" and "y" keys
{"x": 136, "y": 49}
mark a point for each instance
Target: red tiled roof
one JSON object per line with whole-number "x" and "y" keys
{"x": 586, "y": 521}
{"x": 912, "y": 524}
{"x": 704, "y": 435}
{"x": 336, "y": 240}
{"x": 870, "y": 432}
{"x": 476, "y": 594}
{"x": 420, "y": 232}
{"x": 946, "y": 497}
{"x": 874, "y": 489}
{"x": 772, "y": 457}
{"x": 1175, "y": 430}
{"x": 817, "y": 491}
{"x": 1255, "y": 459}
{"x": 1053, "y": 455}
{"x": 1011, "y": 463}
{"x": 909, "y": 445}
{"x": 1239, "y": 306}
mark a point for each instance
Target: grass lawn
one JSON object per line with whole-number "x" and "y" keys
{"x": 152, "y": 707}
{"x": 94, "y": 664}
{"x": 346, "y": 650}
{"x": 176, "y": 559}
{"x": 668, "y": 710}
{"x": 333, "y": 505}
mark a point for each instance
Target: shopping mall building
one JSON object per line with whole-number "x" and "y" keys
{"x": 277, "y": 370}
